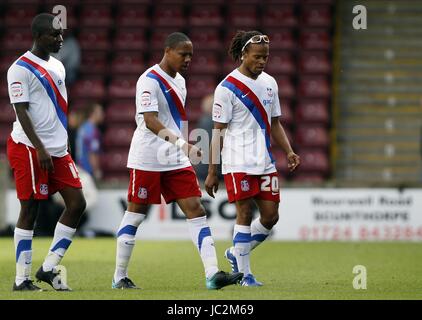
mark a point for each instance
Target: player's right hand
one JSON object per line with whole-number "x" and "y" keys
{"x": 44, "y": 160}
{"x": 211, "y": 184}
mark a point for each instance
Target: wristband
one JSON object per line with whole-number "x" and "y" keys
{"x": 180, "y": 143}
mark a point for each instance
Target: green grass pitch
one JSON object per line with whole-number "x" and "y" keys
{"x": 168, "y": 270}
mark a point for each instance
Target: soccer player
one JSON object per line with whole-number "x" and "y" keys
{"x": 159, "y": 166}
{"x": 38, "y": 153}
{"x": 246, "y": 113}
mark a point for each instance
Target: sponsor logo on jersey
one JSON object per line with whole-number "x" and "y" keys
{"x": 16, "y": 89}
{"x": 142, "y": 193}
{"x": 43, "y": 189}
{"x": 217, "y": 110}
{"x": 270, "y": 92}
{"x": 146, "y": 99}
{"x": 267, "y": 101}
{"x": 60, "y": 82}
{"x": 244, "y": 185}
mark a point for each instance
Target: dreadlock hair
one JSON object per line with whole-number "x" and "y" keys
{"x": 174, "y": 39}
{"x": 238, "y": 41}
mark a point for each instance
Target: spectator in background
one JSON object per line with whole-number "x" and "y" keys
{"x": 74, "y": 121}
{"x": 207, "y": 124}
{"x": 88, "y": 141}
{"x": 70, "y": 56}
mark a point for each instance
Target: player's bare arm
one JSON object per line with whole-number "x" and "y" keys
{"x": 44, "y": 158}
{"x": 154, "y": 124}
{"x": 280, "y": 138}
{"x": 211, "y": 182}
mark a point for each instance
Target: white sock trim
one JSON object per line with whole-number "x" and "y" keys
{"x": 242, "y": 229}
{"x": 256, "y": 224}
{"x": 133, "y": 218}
{"x": 65, "y": 228}
{"x": 24, "y": 233}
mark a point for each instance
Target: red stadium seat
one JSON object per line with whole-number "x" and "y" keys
{"x": 204, "y": 63}
{"x": 155, "y": 56}
{"x": 94, "y": 63}
{"x": 129, "y": 39}
{"x": 158, "y": 37}
{"x": 310, "y": 177}
{"x": 314, "y": 62}
{"x": 66, "y": 3}
{"x": 115, "y": 160}
{"x": 17, "y": 40}
{"x": 312, "y": 136}
{"x": 193, "y": 109}
{"x": 168, "y": 16}
{"x": 118, "y": 136}
{"x": 7, "y": 60}
{"x": 94, "y": 39}
{"x": 71, "y": 18}
{"x": 178, "y": 2}
{"x": 5, "y": 130}
{"x": 89, "y": 88}
{"x": 315, "y": 40}
{"x": 308, "y": 2}
{"x": 121, "y": 111}
{"x": 7, "y": 113}
{"x": 122, "y": 87}
{"x": 279, "y": 16}
{"x": 314, "y": 160}
{"x": 4, "y": 92}
{"x": 205, "y": 16}
{"x": 27, "y": 2}
{"x": 20, "y": 16}
{"x": 205, "y": 39}
{"x": 281, "y": 39}
{"x": 286, "y": 113}
{"x": 127, "y": 63}
{"x": 280, "y": 62}
{"x": 312, "y": 111}
{"x": 316, "y": 16}
{"x": 96, "y": 16}
{"x": 133, "y": 16}
{"x": 314, "y": 86}
{"x": 200, "y": 86}
{"x": 285, "y": 87}
{"x": 242, "y": 16}
{"x": 229, "y": 65}
{"x": 280, "y": 160}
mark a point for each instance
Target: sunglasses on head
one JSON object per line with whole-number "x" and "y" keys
{"x": 257, "y": 39}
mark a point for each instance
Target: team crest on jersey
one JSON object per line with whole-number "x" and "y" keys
{"x": 16, "y": 89}
{"x": 146, "y": 99}
{"x": 270, "y": 92}
{"x": 43, "y": 189}
{"x": 244, "y": 185}
{"x": 217, "y": 110}
{"x": 142, "y": 193}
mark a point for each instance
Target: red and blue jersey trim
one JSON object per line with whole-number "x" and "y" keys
{"x": 53, "y": 92}
{"x": 251, "y": 101}
{"x": 177, "y": 109}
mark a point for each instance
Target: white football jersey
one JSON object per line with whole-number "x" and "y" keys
{"x": 247, "y": 106}
{"x": 156, "y": 91}
{"x": 42, "y": 84}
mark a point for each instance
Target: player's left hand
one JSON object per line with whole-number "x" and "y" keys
{"x": 293, "y": 161}
{"x": 211, "y": 184}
